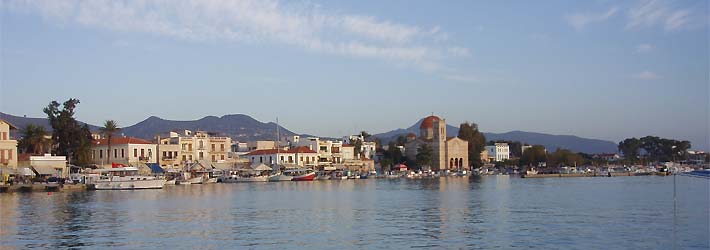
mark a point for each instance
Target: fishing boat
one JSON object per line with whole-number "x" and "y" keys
{"x": 280, "y": 177}
{"x": 125, "y": 178}
{"x": 322, "y": 175}
{"x": 301, "y": 174}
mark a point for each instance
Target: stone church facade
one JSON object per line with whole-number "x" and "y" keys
{"x": 448, "y": 152}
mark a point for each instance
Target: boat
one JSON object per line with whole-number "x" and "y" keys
{"x": 171, "y": 182}
{"x": 322, "y": 175}
{"x": 339, "y": 175}
{"x": 233, "y": 178}
{"x": 196, "y": 180}
{"x": 280, "y": 177}
{"x": 126, "y": 178}
{"x": 301, "y": 174}
{"x": 212, "y": 180}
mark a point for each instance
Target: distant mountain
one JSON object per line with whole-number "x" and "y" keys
{"x": 245, "y": 128}
{"x": 22, "y": 122}
{"x": 551, "y": 142}
{"x": 239, "y": 127}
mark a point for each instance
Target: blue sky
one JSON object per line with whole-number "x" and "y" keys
{"x": 598, "y": 69}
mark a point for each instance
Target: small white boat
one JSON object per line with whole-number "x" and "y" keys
{"x": 280, "y": 177}
{"x": 126, "y": 179}
{"x": 237, "y": 178}
{"x": 212, "y": 180}
{"x": 196, "y": 180}
{"x": 323, "y": 177}
{"x": 171, "y": 182}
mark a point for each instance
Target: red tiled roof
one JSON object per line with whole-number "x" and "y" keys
{"x": 429, "y": 122}
{"x": 121, "y": 140}
{"x": 411, "y": 135}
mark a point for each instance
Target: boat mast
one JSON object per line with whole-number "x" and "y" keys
{"x": 278, "y": 139}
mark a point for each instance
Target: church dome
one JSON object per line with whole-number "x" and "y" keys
{"x": 429, "y": 122}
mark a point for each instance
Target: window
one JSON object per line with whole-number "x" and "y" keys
{"x": 202, "y": 155}
{"x": 101, "y": 154}
{"x": 93, "y": 154}
{"x": 184, "y": 158}
{"x": 135, "y": 152}
{"x": 123, "y": 153}
{"x": 271, "y": 159}
{"x": 165, "y": 154}
{"x": 301, "y": 158}
{"x": 115, "y": 153}
{"x": 261, "y": 159}
{"x": 214, "y": 158}
{"x": 9, "y": 154}
{"x": 213, "y": 147}
{"x": 202, "y": 145}
{"x": 290, "y": 159}
{"x": 221, "y": 147}
{"x": 190, "y": 157}
{"x": 142, "y": 152}
{"x": 282, "y": 158}
{"x": 150, "y": 153}
{"x": 221, "y": 157}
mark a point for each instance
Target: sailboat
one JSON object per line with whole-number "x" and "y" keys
{"x": 277, "y": 175}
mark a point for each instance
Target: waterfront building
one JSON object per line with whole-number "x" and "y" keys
{"x": 49, "y": 165}
{"x": 124, "y": 150}
{"x": 258, "y": 145}
{"x": 301, "y": 156}
{"x": 180, "y": 149}
{"x": 8, "y": 145}
{"x": 498, "y": 152}
{"x": 448, "y": 152}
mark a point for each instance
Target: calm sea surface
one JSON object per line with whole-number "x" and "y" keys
{"x": 496, "y": 212}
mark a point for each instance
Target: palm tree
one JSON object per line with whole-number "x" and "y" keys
{"x": 110, "y": 127}
{"x": 34, "y": 139}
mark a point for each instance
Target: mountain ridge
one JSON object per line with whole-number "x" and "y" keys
{"x": 242, "y": 127}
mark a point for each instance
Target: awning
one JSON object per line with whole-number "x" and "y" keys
{"x": 262, "y": 167}
{"x": 44, "y": 170}
{"x": 155, "y": 168}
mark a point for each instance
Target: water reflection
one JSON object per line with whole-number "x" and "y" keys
{"x": 473, "y": 213}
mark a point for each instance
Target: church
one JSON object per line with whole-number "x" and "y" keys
{"x": 448, "y": 152}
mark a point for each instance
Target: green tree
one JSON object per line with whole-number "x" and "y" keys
{"x": 365, "y": 135}
{"x": 71, "y": 138}
{"x": 108, "y": 130}
{"x": 534, "y": 156}
{"x": 34, "y": 140}
{"x": 630, "y": 148}
{"x": 476, "y": 143}
{"x": 357, "y": 148}
{"x": 425, "y": 155}
{"x": 564, "y": 157}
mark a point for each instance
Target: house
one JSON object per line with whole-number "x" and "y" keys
{"x": 8, "y": 146}
{"x": 498, "y": 152}
{"x": 301, "y": 156}
{"x": 177, "y": 149}
{"x": 124, "y": 150}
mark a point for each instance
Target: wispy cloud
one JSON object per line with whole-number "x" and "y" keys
{"x": 581, "y": 20}
{"x": 649, "y": 13}
{"x": 646, "y": 75}
{"x": 301, "y": 25}
{"x": 644, "y": 48}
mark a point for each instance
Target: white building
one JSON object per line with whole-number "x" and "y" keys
{"x": 498, "y": 152}
{"x": 301, "y": 156}
{"x": 124, "y": 150}
{"x": 368, "y": 148}
{"x": 49, "y": 165}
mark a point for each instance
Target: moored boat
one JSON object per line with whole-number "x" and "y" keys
{"x": 125, "y": 178}
{"x": 301, "y": 174}
{"x": 280, "y": 177}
